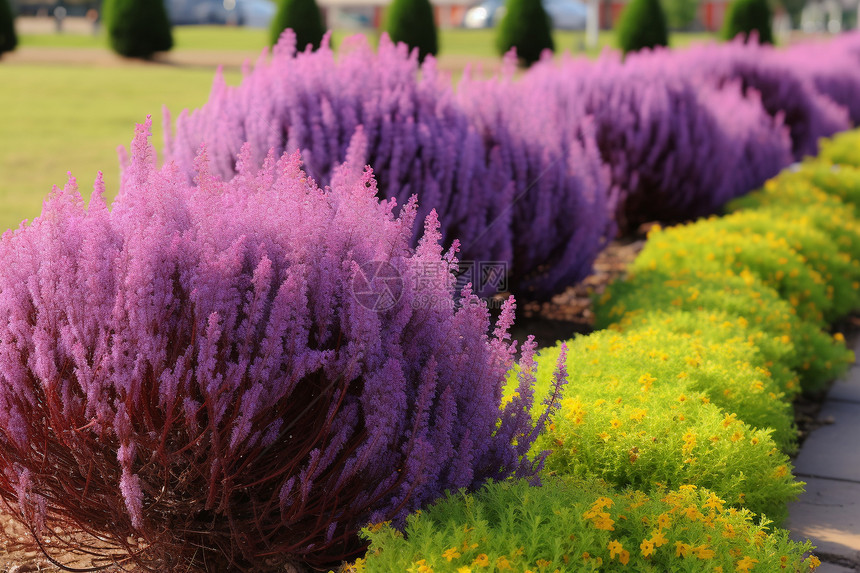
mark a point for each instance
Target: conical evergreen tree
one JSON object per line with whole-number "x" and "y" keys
{"x": 8, "y": 39}
{"x": 304, "y": 17}
{"x": 526, "y": 27}
{"x": 747, "y": 16}
{"x": 412, "y": 22}
{"x": 642, "y": 25}
{"x": 138, "y": 28}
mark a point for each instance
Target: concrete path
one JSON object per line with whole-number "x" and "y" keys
{"x": 828, "y": 513}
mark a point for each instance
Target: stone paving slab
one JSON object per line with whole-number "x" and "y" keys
{"x": 848, "y": 388}
{"x": 831, "y": 568}
{"x": 832, "y": 450}
{"x": 828, "y": 514}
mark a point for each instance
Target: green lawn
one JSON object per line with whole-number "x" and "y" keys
{"x": 55, "y": 119}
{"x": 479, "y": 43}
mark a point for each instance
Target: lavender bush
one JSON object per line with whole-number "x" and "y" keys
{"x": 561, "y": 215}
{"x": 832, "y": 67}
{"x": 228, "y": 376}
{"x": 785, "y": 91}
{"x": 671, "y": 156}
{"x": 527, "y": 199}
{"x": 410, "y": 131}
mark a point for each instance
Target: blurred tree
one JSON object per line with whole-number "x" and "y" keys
{"x": 680, "y": 14}
{"x": 747, "y": 16}
{"x": 305, "y": 19}
{"x": 794, "y": 9}
{"x": 412, "y": 22}
{"x": 527, "y": 27}
{"x": 642, "y": 25}
{"x": 138, "y": 28}
{"x": 8, "y": 39}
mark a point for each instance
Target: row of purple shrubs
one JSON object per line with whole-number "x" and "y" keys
{"x": 537, "y": 171}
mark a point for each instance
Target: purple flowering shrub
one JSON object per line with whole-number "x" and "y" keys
{"x": 233, "y": 375}
{"x": 528, "y": 198}
{"x": 561, "y": 214}
{"x": 662, "y": 136}
{"x": 784, "y": 90}
{"x": 408, "y": 129}
{"x": 833, "y": 68}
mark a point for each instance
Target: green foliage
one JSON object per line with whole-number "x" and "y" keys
{"x": 581, "y": 525}
{"x": 526, "y": 27}
{"x": 703, "y": 246}
{"x": 818, "y": 251}
{"x": 137, "y": 28}
{"x": 8, "y": 39}
{"x": 642, "y": 25}
{"x": 680, "y": 14}
{"x": 724, "y": 345}
{"x": 744, "y": 17}
{"x": 645, "y": 425}
{"x": 304, "y": 18}
{"x": 843, "y": 149}
{"x": 413, "y": 23}
{"x": 817, "y": 357}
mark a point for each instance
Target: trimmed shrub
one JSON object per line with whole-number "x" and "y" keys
{"x": 303, "y": 18}
{"x": 240, "y": 374}
{"x": 642, "y": 25}
{"x": 634, "y": 428}
{"x": 137, "y": 28}
{"x": 582, "y": 525}
{"x": 841, "y": 149}
{"x": 754, "y": 353}
{"x": 749, "y": 19}
{"x": 413, "y": 23}
{"x": 702, "y": 246}
{"x": 680, "y": 14}
{"x": 821, "y": 253}
{"x": 818, "y": 358}
{"x": 8, "y": 38}
{"x": 527, "y": 28}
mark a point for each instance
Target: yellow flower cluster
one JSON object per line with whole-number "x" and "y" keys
{"x": 600, "y": 518}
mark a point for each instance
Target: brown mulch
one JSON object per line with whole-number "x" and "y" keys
{"x": 570, "y": 313}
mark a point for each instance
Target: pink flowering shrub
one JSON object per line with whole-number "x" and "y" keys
{"x": 561, "y": 214}
{"x": 785, "y": 90}
{"x": 234, "y": 375}
{"x": 528, "y": 199}
{"x": 408, "y": 130}
{"x": 670, "y": 154}
{"x": 832, "y": 67}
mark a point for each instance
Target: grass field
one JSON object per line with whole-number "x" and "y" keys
{"x": 55, "y": 119}
{"x": 479, "y": 43}
{"x": 72, "y": 118}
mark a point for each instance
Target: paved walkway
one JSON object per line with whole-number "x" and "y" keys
{"x": 829, "y": 462}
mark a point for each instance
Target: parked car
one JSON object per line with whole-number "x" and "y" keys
{"x": 565, "y": 14}
{"x": 253, "y": 13}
